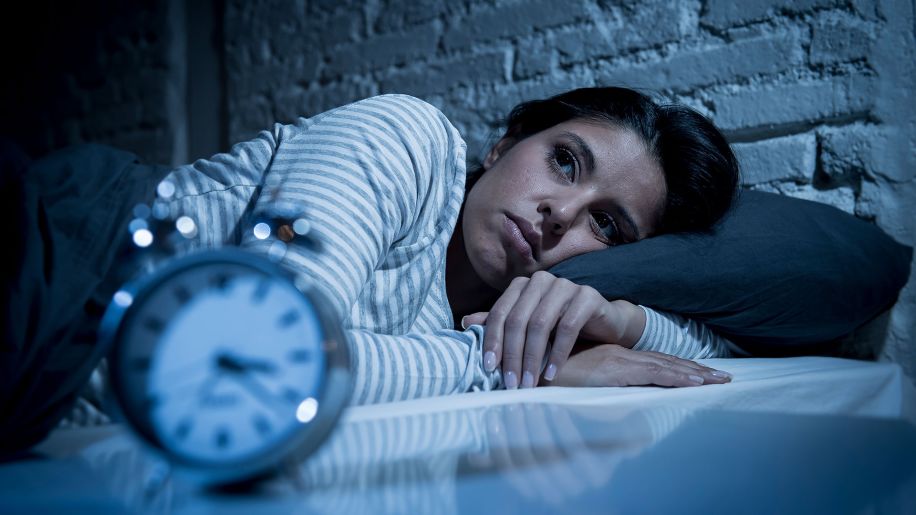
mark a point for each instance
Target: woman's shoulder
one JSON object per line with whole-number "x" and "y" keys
{"x": 400, "y": 123}
{"x": 398, "y": 101}
{"x": 391, "y": 112}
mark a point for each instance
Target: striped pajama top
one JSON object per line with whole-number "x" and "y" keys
{"x": 382, "y": 182}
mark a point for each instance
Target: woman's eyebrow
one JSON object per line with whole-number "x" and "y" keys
{"x": 582, "y": 149}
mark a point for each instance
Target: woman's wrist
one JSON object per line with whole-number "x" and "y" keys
{"x": 631, "y": 320}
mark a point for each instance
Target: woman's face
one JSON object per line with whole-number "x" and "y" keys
{"x": 574, "y": 188}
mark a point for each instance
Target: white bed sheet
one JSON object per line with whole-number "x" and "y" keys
{"x": 386, "y": 450}
{"x": 800, "y": 385}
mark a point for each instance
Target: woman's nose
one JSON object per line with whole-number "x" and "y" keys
{"x": 559, "y": 214}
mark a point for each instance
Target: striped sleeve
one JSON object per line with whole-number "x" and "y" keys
{"x": 673, "y": 334}
{"x": 362, "y": 174}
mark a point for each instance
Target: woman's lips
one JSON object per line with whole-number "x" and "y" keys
{"x": 517, "y": 240}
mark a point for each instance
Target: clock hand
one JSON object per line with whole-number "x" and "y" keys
{"x": 256, "y": 388}
{"x": 227, "y": 362}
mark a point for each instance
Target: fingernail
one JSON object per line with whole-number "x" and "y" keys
{"x": 696, "y": 379}
{"x": 720, "y": 374}
{"x": 464, "y": 324}
{"x": 527, "y": 380}
{"x": 551, "y": 372}
{"x": 489, "y": 361}
{"x": 511, "y": 381}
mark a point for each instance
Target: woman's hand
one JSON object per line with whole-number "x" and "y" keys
{"x": 520, "y": 324}
{"x": 613, "y": 365}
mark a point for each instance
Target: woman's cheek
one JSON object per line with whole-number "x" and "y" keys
{"x": 578, "y": 245}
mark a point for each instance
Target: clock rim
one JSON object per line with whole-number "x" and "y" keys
{"x": 333, "y": 393}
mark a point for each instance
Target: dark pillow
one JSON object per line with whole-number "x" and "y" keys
{"x": 776, "y": 275}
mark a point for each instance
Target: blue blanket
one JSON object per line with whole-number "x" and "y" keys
{"x": 67, "y": 217}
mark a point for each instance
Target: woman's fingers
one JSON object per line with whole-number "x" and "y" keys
{"x": 557, "y": 312}
{"x": 663, "y": 370}
{"x": 709, "y": 375}
{"x": 479, "y": 318}
{"x": 526, "y": 336}
{"x": 493, "y": 337}
{"x": 582, "y": 307}
{"x": 614, "y": 365}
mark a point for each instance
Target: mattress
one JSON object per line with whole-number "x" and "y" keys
{"x": 583, "y": 449}
{"x": 799, "y": 385}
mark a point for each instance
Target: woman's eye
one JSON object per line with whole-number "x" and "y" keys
{"x": 606, "y": 227}
{"x": 564, "y": 163}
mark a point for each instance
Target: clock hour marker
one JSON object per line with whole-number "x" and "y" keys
{"x": 182, "y": 295}
{"x": 220, "y": 281}
{"x": 289, "y": 318}
{"x": 261, "y": 424}
{"x": 223, "y": 438}
{"x": 184, "y": 428}
{"x": 153, "y": 324}
{"x": 260, "y": 291}
{"x": 299, "y": 355}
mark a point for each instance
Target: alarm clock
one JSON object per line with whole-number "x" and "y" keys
{"x": 224, "y": 365}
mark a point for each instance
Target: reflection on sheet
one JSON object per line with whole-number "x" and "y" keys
{"x": 518, "y": 459}
{"x": 399, "y": 464}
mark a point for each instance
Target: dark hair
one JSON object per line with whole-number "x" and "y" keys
{"x": 701, "y": 172}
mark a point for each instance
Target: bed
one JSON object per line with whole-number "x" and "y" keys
{"x": 803, "y": 427}
{"x": 800, "y": 426}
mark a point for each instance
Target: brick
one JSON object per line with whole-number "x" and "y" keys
{"x": 860, "y": 149}
{"x": 791, "y": 158}
{"x": 337, "y": 30}
{"x": 440, "y": 76}
{"x": 517, "y": 18}
{"x": 793, "y": 104}
{"x": 842, "y": 198}
{"x": 867, "y": 151}
{"x": 835, "y": 42}
{"x": 728, "y": 13}
{"x": 328, "y": 6}
{"x": 890, "y": 205}
{"x": 652, "y": 24}
{"x": 535, "y": 56}
{"x": 249, "y": 117}
{"x": 334, "y": 95}
{"x": 384, "y": 50}
{"x": 868, "y": 9}
{"x": 480, "y": 114}
{"x": 293, "y": 102}
{"x": 704, "y": 66}
{"x": 396, "y": 15}
{"x": 496, "y": 104}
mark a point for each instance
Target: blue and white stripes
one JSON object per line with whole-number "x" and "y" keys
{"x": 381, "y": 181}
{"x": 679, "y": 336}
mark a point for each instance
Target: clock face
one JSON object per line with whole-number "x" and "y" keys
{"x": 221, "y": 362}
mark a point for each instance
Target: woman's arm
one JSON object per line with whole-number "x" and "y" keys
{"x": 680, "y": 336}
{"x": 374, "y": 178}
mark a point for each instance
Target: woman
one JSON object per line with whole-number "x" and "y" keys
{"x": 383, "y": 183}
{"x": 405, "y": 256}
